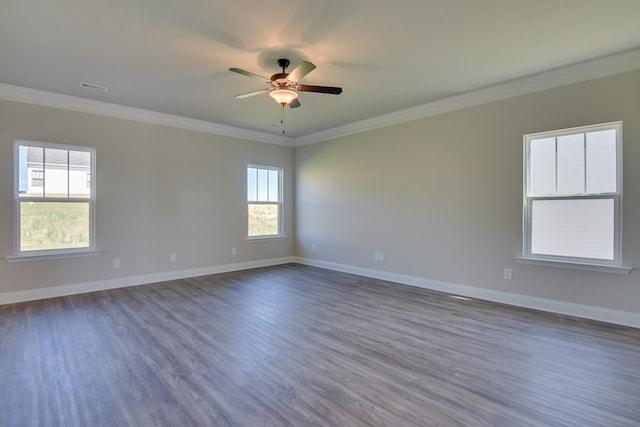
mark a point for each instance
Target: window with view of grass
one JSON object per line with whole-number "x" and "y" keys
{"x": 264, "y": 201}
{"x": 54, "y": 198}
{"x": 573, "y": 190}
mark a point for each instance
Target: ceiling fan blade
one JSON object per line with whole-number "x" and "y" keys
{"x": 320, "y": 89}
{"x": 303, "y": 68}
{"x": 250, "y": 94}
{"x": 295, "y": 103}
{"x": 248, "y": 74}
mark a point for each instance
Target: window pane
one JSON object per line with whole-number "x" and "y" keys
{"x": 273, "y": 185}
{"x": 601, "y": 162}
{"x": 263, "y": 182}
{"x": 263, "y": 219}
{"x": 571, "y": 164}
{"x": 252, "y": 185}
{"x": 574, "y": 228}
{"x": 542, "y": 162}
{"x": 54, "y": 225}
{"x": 79, "y": 174}
{"x": 30, "y": 171}
{"x": 56, "y": 175}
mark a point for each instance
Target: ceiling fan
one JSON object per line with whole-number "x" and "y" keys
{"x": 284, "y": 87}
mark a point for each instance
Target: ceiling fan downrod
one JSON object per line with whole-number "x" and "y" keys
{"x": 284, "y": 63}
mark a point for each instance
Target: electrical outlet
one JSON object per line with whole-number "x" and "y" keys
{"x": 313, "y": 247}
{"x": 378, "y": 256}
{"x": 116, "y": 263}
{"x": 234, "y": 251}
{"x": 507, "y": 274}
{"x": 172, "y": 258}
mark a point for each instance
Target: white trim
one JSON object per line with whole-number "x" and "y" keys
{"x": 613, "y": 266}
{"x": 279, "y": 202}
{"x": 543, "y": 304}
{"x": 618, "y": 317}
{"x": 602, "y": 268}
{"x": 40, "y": 255}
{"x": 18, "y": 253}
{"x": 122, "y": 282}
{"x": 588, "y": 70}
{"x": 266, "y": 237}
{"x": 83, "y": 105}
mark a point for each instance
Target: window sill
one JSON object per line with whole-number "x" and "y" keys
{"x": 259, "y": 238}
{"x": 56, "y": 255}
{"x": 603, "y": 268}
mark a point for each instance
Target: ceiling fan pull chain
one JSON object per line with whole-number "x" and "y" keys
{"x": 282, "y": 119}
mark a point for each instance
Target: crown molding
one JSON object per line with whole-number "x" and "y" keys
{"x": 83, "y": 105}
{"x": 589, "y": 70}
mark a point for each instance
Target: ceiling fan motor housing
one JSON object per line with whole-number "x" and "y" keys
{"x": 279, "y": 79}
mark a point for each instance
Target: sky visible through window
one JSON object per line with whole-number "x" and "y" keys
{"x": 262, "y": 185}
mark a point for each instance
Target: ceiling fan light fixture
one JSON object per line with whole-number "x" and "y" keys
{"x": 283, "y": 96}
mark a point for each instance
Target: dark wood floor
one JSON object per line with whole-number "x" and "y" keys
{"x": 301, "y": 346}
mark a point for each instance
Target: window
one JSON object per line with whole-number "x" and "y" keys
{"x": 573, "y": 189}
{"x": 264, "y": 201}
{"x": 54, "y": 198}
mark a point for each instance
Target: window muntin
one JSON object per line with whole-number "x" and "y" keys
{"x": 573, "y": 195}
{"x": 54, "y": 198}
{"x": 264, "y": 201}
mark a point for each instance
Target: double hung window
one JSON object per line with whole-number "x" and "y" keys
{"x": 264, "y": 201}
{"x": 54, "y": 198}
{"x": 573, "y": 190}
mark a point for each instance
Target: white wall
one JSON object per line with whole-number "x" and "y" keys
{"x": 441, "y": 197}
{"x": 160, "y": 190}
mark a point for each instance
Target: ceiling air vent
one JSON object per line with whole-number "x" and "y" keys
{"x": 94, "y": 86}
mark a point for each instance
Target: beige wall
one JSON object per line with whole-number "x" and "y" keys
{"x": 160, "y": 190}
{"x": 441, "y": 197}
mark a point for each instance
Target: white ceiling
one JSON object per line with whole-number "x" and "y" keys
{"x": 172, "y": 56}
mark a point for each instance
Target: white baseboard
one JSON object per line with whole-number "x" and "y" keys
{"x": 101, "y": 285}
{"x": 553, "y": 306}
{"x": 618, "y": 317}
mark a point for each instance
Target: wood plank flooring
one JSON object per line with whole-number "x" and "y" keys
{"x": 300, "y": 346}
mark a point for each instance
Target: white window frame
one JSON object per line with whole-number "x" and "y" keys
{"x": 614, "y": 265}
{"x": 20, "y": 255}
{"x": 279, "y": 203}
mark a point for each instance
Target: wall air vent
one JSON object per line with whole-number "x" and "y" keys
{"x": 94, "y": 86}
